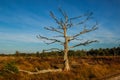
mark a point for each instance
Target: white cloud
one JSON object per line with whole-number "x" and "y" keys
{"x": 19, "y": 37}
{"x": 104, "y": 35}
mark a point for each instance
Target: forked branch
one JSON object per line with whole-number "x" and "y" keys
{"x": 57, "y": 21}
{"x": 64, "y": 15}
{"x": 49, "y": 39}
{"x": 53, "y": 29}
{"x": 85, "y": 31}
{"x": 84, "y": 43}
{"x": 88, "y": 16}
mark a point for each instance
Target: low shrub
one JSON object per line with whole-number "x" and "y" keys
{"x": 10, "y": 67}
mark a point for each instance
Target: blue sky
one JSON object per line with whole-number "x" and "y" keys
{"x": 22, "y": 20}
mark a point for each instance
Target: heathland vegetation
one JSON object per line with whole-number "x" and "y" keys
{"x": 94, "y": 64}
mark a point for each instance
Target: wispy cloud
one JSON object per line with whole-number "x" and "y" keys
{"x": 23, "y": 19}
{"x": 103, "y": 34}
{"x": 31, "y": 24}
{"x": 29, "y": 38}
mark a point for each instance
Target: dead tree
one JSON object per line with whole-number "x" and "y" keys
{"x": 64, "y": 24}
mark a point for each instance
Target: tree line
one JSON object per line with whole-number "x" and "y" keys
{"x": 115, "y": 51}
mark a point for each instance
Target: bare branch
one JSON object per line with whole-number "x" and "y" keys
{"x": 53, "y": 29}
{"x": 75, "y": 18}
{"x": 64, "y": 14}
{"x": 48, "y": 43}
{"x": 41, "y": 71}
{"x": 82, "y": 22}
{"x": 84, "y": 44}
{"x": 88, "y": 16}
{"x": 57, "y": 21}
{"x": 59, "y": 27}
{"x": 71, "y": 39}
{"x": 86, "y": 31}
{"x": 49, "y": 39}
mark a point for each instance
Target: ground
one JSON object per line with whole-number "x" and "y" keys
{"x": 82, "y": 68}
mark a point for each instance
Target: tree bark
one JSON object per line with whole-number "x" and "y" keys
{"x": 66, "y": 61}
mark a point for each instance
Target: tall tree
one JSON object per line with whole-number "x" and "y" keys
{"x": 64, "y": 24}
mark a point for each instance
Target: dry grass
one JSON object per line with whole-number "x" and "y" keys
{"x": 86, "y": 68}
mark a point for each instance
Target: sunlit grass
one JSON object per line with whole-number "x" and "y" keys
{"x": 86, "y": 68}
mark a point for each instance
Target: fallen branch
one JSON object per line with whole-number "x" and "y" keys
{"x": 41, "y": 71}
{"x": 10, "y": 71}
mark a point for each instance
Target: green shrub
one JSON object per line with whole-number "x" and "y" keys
{"x": 10, "y": 67}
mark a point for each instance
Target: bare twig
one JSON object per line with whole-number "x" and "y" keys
{"x": 53, "y": 29}
{"x": 64, "y": 14}
{"x": 57, "y": 21}
{"x": 71, "y": 39}
{"x": 49, "y": 39}
{"x": 84, "y": 43}
{"x": 85, "y": 31}
{"x": 70, "y": 24}
{"x": 73, "y": 18}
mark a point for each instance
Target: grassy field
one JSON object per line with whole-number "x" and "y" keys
{"x": 82, "y": 68}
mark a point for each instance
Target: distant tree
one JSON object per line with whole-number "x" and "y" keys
{"x": 80, "y": 53}
{"x": 92, "y": 52}
{"x": 100, "y": 52}
{"x": 114, "y": 51}
{"x": 118, "y": 51}
{"x": 64, "y": 24}
{"x": 37, "y": 54}
{"x": 17, "y": 53}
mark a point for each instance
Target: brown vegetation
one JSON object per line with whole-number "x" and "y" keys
{"x": 82, "y": 68}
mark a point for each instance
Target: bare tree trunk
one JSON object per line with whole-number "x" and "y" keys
{"x": 66, "y": 61}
